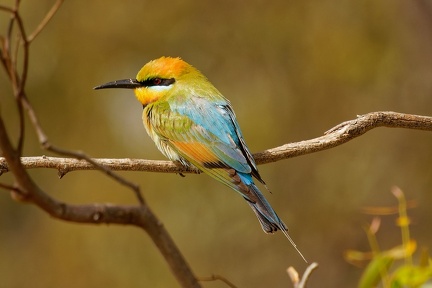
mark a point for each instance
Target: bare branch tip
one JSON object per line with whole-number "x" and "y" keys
{"x": 301, "y": 283}
{"x": 293, "y": 274}
{"x": 3, "y": 170}
{"x": 45, "y": 20}
{"x": 61, "y": 173}
{"x": 215, "y": 277}
{"x": 18, "y": 195}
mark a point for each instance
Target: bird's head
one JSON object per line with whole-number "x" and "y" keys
{"x": 158, "y": 78}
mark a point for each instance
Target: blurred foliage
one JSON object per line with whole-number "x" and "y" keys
{"x": 382, "y": 267}
{"x": 292, "y": 70}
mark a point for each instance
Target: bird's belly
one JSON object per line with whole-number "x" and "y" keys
{"x": 162, "y": 144}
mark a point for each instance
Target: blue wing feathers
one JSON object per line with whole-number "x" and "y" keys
{"x": 214, "y": 125}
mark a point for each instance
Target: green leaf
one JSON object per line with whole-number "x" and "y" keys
{"x": 411, "y": 276}
{"x": 375, "y": 270}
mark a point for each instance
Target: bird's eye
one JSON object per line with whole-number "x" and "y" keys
{"x": 157, "y": 81}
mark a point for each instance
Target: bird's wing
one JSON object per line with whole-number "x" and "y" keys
{"x": 205, "y": 133}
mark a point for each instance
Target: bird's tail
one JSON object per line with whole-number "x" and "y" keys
{"x": 243, "y": 183}
{"x": 269, "y": 220}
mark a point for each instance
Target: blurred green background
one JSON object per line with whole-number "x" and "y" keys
{"x": 292, "y": 70}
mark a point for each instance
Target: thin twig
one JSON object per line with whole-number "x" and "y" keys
{"x": 9, "y": 61}
{"x": 6, "y": 9}
{"x": 6, "y": 55}
{"x": 10, "y": 188}
{"x": 215, "y": 277}
{"x": 18, "y": 91}
{"x": 16, "y": 193}
{"x": 45, "y": 21}
{"x": 301, "y": 283}
{"x": 23, "y": 36}
{"x": 307, "y": 274}
{"x": 9, "y": 30}
{"x": 82, "y": 156}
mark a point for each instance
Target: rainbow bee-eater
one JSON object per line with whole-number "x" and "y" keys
{"x": 192, "y": 123}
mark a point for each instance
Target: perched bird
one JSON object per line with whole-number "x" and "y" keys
{"x": 192, "y": 123}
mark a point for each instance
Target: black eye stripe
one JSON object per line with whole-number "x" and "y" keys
{"x": 158, "y": 82}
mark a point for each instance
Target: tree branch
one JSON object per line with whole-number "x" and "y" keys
{"x": 136, "y": 215}
{"x": 26, "y": 189}
{"x": 336, "y": 136}
{"x": 345, "y": 132}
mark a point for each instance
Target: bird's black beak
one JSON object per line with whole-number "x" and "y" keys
{"x": 126, "y": 83}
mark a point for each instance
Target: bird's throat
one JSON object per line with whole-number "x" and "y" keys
{"x": 146, "y": 96}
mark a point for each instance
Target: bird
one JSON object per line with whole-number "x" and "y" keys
{"x": 193, "y": 124}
